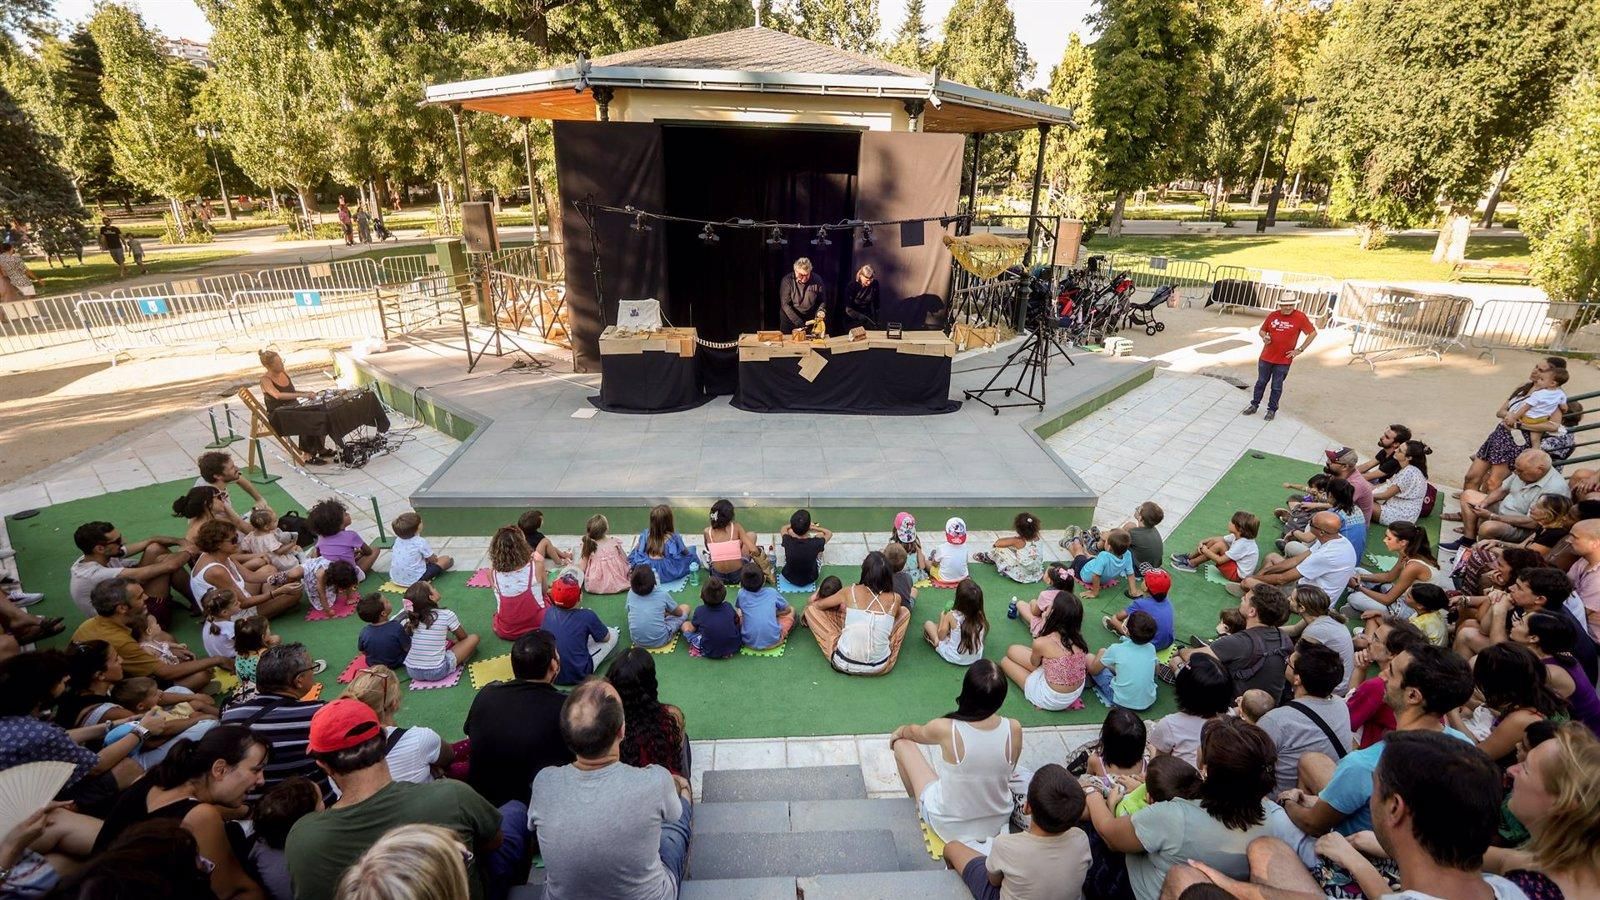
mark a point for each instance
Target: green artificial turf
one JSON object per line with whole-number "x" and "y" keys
{"x": 796, "y": 694}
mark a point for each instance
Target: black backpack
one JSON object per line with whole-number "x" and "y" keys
{"x": 295, "y": 523}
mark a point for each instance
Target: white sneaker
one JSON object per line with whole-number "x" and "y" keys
{"x": 23, "y": 598}
{"x": 7, "y": 552}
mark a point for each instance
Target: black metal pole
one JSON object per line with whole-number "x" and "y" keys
{"x": 972, "y": 184}
{"x": 1283, "y": 168}
{"x": 461, "y": 151}
{"x": 1033, "y": 201}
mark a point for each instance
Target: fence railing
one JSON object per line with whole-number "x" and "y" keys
{"x": 405, "y": 267}
{"x": 39, "y": 322}
{"x": 1247, "y": 287}
{"x": 1193, "y": 278}
{"x": 1532, "y": 325}
{"x": 1397, "y": 322}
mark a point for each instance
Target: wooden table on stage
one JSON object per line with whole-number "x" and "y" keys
{"x": 648, "y": 371}
{"x": 877, "y": 376}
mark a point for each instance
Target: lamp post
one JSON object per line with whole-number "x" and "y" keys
{"x": 207, "y": 133}
{"x": 1283, "y": 168}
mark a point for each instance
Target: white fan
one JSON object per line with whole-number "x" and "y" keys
{"x": 26, "y": 788}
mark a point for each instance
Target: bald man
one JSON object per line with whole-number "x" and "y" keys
{"x": 1503, "y": 514}
{"x": 1328, "y": 564}
{"x": 1584, "y": 603}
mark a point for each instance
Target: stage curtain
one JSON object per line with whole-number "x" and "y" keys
{"x": 906, "y": 176}
{"x": 617, "y": 163}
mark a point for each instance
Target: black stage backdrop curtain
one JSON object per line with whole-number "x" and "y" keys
{"x": 909, "y": 176}
{"x": 617, "y": 163}
{"x": 778, "y": 174}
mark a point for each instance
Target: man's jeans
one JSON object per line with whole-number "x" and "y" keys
{"x": 675, "y": 841}
{"x": 1276, "y": 372}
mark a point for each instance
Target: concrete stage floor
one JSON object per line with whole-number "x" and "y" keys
{"x": 526, "y": 449}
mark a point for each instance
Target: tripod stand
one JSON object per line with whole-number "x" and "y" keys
{"x": 1034, "y": 356}
{"x": 505, "y": 298}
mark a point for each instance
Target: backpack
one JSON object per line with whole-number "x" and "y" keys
{"x": 1258, "y": 656}
{"x": 295, "y": 522}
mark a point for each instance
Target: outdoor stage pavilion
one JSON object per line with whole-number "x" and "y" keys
{"x": 765, "y": 127}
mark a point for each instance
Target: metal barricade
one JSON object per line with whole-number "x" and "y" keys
{"x": 311, "y": 314}
{"x": 403, "y": 268}
{"x": 1316, "y": 294}
{"x": 1542, "y": 326}
{"x": 118, "y": 325}
{"x": 1192, "y": 278}
{"x": 340, "y": 274}
{"x": 35, "y": 323}
{"x": 544, "y": 261}
{"x": 424, "y": 303}
{"x": 532, "y": 304}
{"x": 1397, "y": 322}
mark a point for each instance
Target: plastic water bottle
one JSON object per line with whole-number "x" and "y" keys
{"x": 694, "y": 574}
{"x": 1011, "y": 609}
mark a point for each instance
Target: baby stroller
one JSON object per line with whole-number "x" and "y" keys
{"x": 382, "y": 230}
{"x": 1144, "y": 314}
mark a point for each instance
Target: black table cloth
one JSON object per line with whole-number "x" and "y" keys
{"x": 333, "y": 418}
{"x": 648, "y": 382}
{"x": 865, "y": 382}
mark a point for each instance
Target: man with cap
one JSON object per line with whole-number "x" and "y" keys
{"x": 582, "y": 640}
{"x": 1343, "y": 463}
{"x": 1281, "y": 342}
{"x": 348, "y": 744}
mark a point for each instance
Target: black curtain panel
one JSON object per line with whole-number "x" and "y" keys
{"x": 908, "y": 176}
{"x": 730, "y": 287}
{"x": 617, "y": 163}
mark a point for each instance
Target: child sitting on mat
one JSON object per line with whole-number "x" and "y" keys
{"x": 1157, "y": 582}
{"x": 1124, "y": 673}
{"x": 803, "y": 543}
{"x": 765, "y": 617}
{"x": 949, "y": 559}
{"x": 281, "y": 548}
{"x": 431, "y": 626}
{"x": 714, "y": 631}
{"x": 412, "y": 559}
{"x": 329, "y": 581}
{"x": 335, "y": 539}
{"x": 529, "y": 524}
{"x": 895, "y": 556}
{"x": 1019, "y": 558}
{"x": 905, "y": 536}
{"x": 1235, "y": 553}
{"x": 958, "y": 635}
{"x": 383, "y": 640}
{"x": 603, "y": 561}
{"x": 582, "y": 640}
{"x": 1105, "y": 567}
{"x": 653, "y": 617}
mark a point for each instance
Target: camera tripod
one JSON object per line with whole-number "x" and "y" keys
{"x": 1034, "y": 357}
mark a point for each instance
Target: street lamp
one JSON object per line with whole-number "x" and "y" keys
{"x": 206, "y": 132}
{"x": 1283, "y": 168}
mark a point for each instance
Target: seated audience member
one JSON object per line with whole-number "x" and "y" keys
{"x": 948, "y": 561}
{"x": 1019, "y": 557}
{"x": 714, "y": 629}
{"x": 1254, "y": 704}
{"x": 204, "y": 505}
{"x": 412, "y": 861}
{"x": 966, "y": 794}
{"x": 122, "y": 621}
{"x": 1215, "y": 829}
{"x": 336, "y": 540}
{"x": 1105, "y": 567}
{"x": 602, "y": 560}
{"x": 383, "y": 640}
{"x": 105, "y": 557}
{"x": 218, "y": 469}
{"x": 728, "y": 545}
{"x": 639, "y": 848}
{"x": 765, "y": 618}
{"x": 29, "y": 686}
{"x": 1315, "y": 720}
{"x": 1328, "y": 564}
{"x": 1341, "y": 502}
{"x": 1421, "y": 685}
{"x": 1203, "y": 690}
{"x": 515, "y": 726}
{"x": 1370, "y": 716}
{"x": 1234, "y": 554}
{"x": 1504, "y": 513}
{"x": 280, "y": 548}
{"x": 1383, "y": 465}
{"x": 1342, "y": 465}
{"x": 93, "y": 670}
{"x": 1533, "y": 590}
{"x": 1513, "y": 684}
{"x": 263, "y": 591}
{"x": 895, "y": 554}
{"x": 155, "y": 860}
{"x": 654, "y": 618}
{"x": 1165, "y": 778}
{"x": 803, "y": 542}
{"x": 1049, "y": 859}
{"x": 275, "y": 814}
{"x": 412, "y": 558}
{"x": 1255, "y": 657}
{"x": 1053, "y": 670}
{"x": 1414, "y": 564}
{"x": 1584, "y": 604}
{"x": 904, "y": 535}
{"x": 280, "y": 718}
{"x": 1551, "y": 636}
{"x": 201, "y": 784}
{"x": 1033, "y": 612}
{"x": 661, "y": 548}
{"x": 1153, "y": 604}
{"x": 582, "y": 640}
{"x": 1405, "y": 495}
{"x": 1121, "y": 754}
{"x": 1552, "y": 794}
{"x": 958, "y": 634}
{"x": 530, "y": 523}
{"x": 347, "y": 744}
{"x": 432, "y": 657}
{"x": 1320, "y": 623}
{"x": 1124, "y": 673}
{"x": 520, "y": 604}
{"x": 860, "y": 628}
{"x": 414, "y": 753}
{"x": 1149, "y": 552}
{"x": 655, "y": 733}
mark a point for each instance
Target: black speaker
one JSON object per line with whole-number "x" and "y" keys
{"x": 478, "y": 230}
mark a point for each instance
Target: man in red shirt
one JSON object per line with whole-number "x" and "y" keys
{"x": 1280, "y": 333}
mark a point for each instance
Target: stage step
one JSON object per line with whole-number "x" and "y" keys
{"x": 776, "y": 888}
{"x": 800, "y": 783}
{"x": 942, "y": 885}
{"x": 718, "y": 856}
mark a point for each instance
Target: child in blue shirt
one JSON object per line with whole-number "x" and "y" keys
{"x": 653, "y": 618}
{"x": 1156, "y": 583}
{"x": 713, "y": 632}
{"x": 766, "y": 616}
{"x": 582, "y": 640}
{"x": 1125, "y": 673}
{"x": 1105, "y": 567}
{"x": 384, "y": 641}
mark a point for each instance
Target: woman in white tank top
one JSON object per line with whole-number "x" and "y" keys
{"x": 860, "y": 629}
{"x": 966, "y": 795}
{"x": 214, "y": 568}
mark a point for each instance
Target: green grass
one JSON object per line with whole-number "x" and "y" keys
{"x": 1404, "y": 258}
{"x": 148, "y": 228}
{"x": 97, "y": 269}
{"x": 793, "y": 695}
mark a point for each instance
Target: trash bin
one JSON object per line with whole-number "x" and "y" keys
{"x": 1261, "y": 224}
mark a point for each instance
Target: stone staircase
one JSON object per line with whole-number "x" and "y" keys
{"x": 812, "y": 833}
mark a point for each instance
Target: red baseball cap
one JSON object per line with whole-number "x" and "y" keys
{"x": 341, "y": 725}
{"x": 565, "y": 593}
{"x": 1157, "y": 581}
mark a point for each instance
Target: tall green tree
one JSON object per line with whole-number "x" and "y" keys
{"x": 1422, "y": 101}
{"x": 981, "y": 48}
{"x": 153, "y": 139}
{"x": 1242, "y": 97}
{"x": 1558, "y": 196}
{"x": 911, "y": 46}
{"x": 1072, "y": 174}
{"x": 1150, "y": 90}
{"x": 59, "y": 87}
{"x": 33, "y": 187}
{"x": 847, "y": 24}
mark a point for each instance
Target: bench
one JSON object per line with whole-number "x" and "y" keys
{"x": 1490, "y": 268}
{"x": 1210, "y": 228}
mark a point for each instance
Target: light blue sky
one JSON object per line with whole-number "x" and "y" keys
{"x": 1043, "y": 24}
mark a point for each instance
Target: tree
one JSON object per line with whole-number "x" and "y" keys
{"x": 153, "y": 138}
{"x": 981, "y": 49}
{"x": 1150, "y": 90}
{"x": 33, "y": 187}
{"x": 1559, "y": 196}
{"x": 911, "y": 47}
{"x": 1422, "y": 101}
{"x": 1241, "y": 98}
{"x": 847, "y": 24}
{"x": 59, "y": 88}
{"x": 1072, "y": 156}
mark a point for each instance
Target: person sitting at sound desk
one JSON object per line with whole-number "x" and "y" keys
{"x": 277, "y": 389}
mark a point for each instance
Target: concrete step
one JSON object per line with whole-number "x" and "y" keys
{"x": 749, "y": 816}
{"x": 898, "y": 817}
{"x": 941, "y": 885}
{"x": 739, "y": 889}
{"x": 802, "y": 783}
{"x": 811, "y": 853}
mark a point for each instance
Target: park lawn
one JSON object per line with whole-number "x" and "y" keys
{"x": 98, "y": 271}
{"x": 1404, "y": 258}
{"x": 152, "y": 228}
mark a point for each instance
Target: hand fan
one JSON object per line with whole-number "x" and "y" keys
{"x": 25, "y": 788}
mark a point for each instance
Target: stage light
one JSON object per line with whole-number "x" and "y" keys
{"x": 821, "y": 240}
{"x": 776, "y": 239}
{"x": 639, "y": 223}
{"x": 866, "y": 235}
{"x": 709, "y": 235}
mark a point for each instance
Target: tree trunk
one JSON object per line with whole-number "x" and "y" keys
{"x": 307, "y": 202}
{"x": 1294, "y": 192}
{"x": 1451, "y": 247}
{"x": 272, "y": 203}
{"x": 127, "y": 205}
{"x": 380, "y": 191}
{"x": 1494, "y": 196}
{"x": 1115, "y": 231}
{"x": 494, "y": 198}
{"x": 552, "y": 208}
{"x": 77, "y": 192}
{"x": 177, "y": 219}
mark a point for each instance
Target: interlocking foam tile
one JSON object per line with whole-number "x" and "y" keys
{"x": 447, "y": 681}
{"x": 1165, "y": 656}
{"x": 1214, "y": 576}
{"x": 667, "y": 648}
{"x": 785, "y": 587}
{"x": 672, "y": 587}
{"x": 482, "y": 578}
{"x": 392, "y": 588}
{"x": 339, "y": 610}
{"x": 314, "y": 693}
{"x": 931, "y": 841}
{"x": 775, "y": 651}
{"x": 1382, "y": 563}
{"x": 486, "y": 670}
{"x": 356, "y": 665}
{"x": 225, "y": 679}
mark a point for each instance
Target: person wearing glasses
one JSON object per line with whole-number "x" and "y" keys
{"x": 282, "y": 719}
{"x": 106, "y": 555}
{"x": 1328, "y": 563}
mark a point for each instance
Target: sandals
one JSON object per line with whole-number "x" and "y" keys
{"x": 1073, "y": 533}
